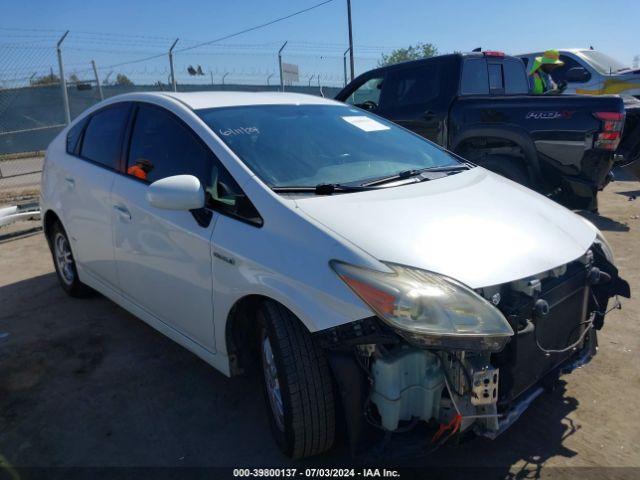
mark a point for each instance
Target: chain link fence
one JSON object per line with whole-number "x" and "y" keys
{"x": 100, "y": 65}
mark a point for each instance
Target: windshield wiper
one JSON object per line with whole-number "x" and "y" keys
{"x": 415, "y": 173}
{"x": 323, "y": 189}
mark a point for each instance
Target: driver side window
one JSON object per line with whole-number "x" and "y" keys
{"x": 367, "y": 95}
{"x": 162, "y": 146}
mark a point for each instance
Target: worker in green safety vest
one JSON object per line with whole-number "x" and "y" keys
{"x": 541, "y": 69}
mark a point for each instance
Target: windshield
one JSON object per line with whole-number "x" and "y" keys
{"x": 603, "y": 63}
{"x": 310, "y": 145}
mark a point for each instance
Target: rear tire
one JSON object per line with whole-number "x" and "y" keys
{"x": 297, "y": 384}
{"x": 64, "y": 263}
{"x": 509, "y": 167}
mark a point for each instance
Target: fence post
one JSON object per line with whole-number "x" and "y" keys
{"x": 344, "y": 64}
{"x": 95, "y": 73}
{"x": 173, "y": 74}
{"x": 63, "y": 82}
{"x": 280, "y": 65}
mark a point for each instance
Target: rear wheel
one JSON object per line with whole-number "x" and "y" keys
{"x": 297, "y": 384}
{"x": 64, "y": 262}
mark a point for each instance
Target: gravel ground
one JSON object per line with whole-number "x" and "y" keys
{"x": 84, "y": 383}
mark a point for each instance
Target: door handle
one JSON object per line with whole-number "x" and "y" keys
{"x": 71, "y": 183}
{"x": 429, "y": 115}
{"x": 124, "y": 212}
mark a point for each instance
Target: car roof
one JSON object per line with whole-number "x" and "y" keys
{"x": 202, "y": 100}
{"x": 570, "y": 50}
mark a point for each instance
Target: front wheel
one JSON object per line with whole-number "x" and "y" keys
{"x": 297, "y": 384}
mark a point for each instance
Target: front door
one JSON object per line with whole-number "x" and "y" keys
{"x": 163, "y": 257}
{"x": 411, "y": 97}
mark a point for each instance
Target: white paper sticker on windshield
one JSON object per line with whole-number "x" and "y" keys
{"x": 365, "y": 123}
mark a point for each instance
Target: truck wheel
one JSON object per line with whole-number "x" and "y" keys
{"x": 64, "y": 263}
{"x": 509, "y": 167}
{"x": 297, "y": 384}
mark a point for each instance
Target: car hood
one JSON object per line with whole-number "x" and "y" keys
{"x": 476, "y": 227}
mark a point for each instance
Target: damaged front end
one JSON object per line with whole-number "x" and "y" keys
{"x": 456, "y": 359}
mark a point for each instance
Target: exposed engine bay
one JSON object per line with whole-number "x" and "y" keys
{"x": 391, "y": 381}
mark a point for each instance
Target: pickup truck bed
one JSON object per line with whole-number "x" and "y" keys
{"x": 477, "y": 105}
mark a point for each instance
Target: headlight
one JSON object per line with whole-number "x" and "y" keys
{"x": 606, "y": 247}
{"x": 427, "y": 308}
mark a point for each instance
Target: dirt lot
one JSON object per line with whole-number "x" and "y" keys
{"x": 83, "y": 383}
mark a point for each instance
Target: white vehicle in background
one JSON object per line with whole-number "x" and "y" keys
{"x": 348, "y": 259}
{"x": 590, "y": 72}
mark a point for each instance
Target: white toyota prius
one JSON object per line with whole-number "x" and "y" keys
{"x": 376, "y": 280}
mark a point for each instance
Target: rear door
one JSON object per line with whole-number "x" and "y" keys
{"x": 163, "y": 257}
{"x": 90, "y": 173}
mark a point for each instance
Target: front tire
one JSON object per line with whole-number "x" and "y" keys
{"x": 64, "y": 263}
{"x": 297, "y": 384}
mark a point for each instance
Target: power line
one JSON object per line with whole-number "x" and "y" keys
{"x": 251, "y": 29}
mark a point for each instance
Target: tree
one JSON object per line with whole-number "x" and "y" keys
{"x": 122, "y": 79}
{"x": 412, "y": 52}
{"x": 46, "y": 80}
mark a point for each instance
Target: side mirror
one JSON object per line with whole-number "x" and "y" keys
{"x": 180, "y": 192}
{"x": 577, "y": 74}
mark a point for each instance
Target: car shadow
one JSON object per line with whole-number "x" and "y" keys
{"x": 84, "y": 383}
{"x": 604, "y": 223}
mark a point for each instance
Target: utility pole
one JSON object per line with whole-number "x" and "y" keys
{"x": 344, "y": 64}
{"x": 280, "y": 65}
{"x": 63, "y": 82}
{"x": 269, "y": 78}
{"x": 350, "y": 38}
{"x": 173, "y": 73}
{"x": 95, "y": 73}
{"x": 224, "y": 76}
{"x": 311, "y": 78}
{"x": 211, "y": 74}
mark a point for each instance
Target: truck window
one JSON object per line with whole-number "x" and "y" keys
{"x": 366, "y": 95}
{"x": 475, "y": 80}
{"x": 515, "y": 78}
{"x": 412, "y": 86}
{"x": 560, "y": 73}
{"x": 496, "y": 84}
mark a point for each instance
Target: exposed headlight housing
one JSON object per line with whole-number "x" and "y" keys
{"x": 600, "y": 240}
{"x": 429, "y": 309}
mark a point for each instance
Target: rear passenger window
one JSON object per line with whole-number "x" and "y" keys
{"x": 515, "y": 78}
{"x": 412, "y": 86}
{"x": 475, "y": 80}
{"x": 102, "y": 139}
{"x": 73, "y": 136}
{"x": 495, "y": 78}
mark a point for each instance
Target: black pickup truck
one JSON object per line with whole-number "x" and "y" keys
{"x": 478, "y": 106}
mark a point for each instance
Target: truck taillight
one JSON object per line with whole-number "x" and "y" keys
{"x": 609, "y": 137}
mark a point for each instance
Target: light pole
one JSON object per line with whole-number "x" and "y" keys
{"x": 350, "y": 38}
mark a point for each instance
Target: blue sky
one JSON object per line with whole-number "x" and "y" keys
{"x": 118, "y": 31}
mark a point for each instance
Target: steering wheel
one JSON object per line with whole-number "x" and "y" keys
{"x": 368, "y": 105}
